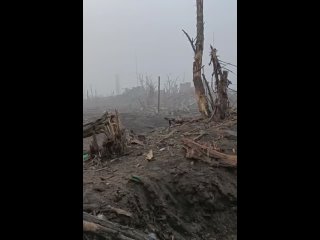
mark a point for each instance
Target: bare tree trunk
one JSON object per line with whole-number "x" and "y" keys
{"x": 197, "y": 64}
{"x": 223, "y": 93}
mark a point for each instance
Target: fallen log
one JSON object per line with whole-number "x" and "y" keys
{"x": 202, "y": 152}
{"x": 108, "y": 124}
{"x": 110, "y": 230}
{"x": 97, "y": 126}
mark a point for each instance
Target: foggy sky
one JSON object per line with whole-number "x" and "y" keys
{"x": 122, "y": 35}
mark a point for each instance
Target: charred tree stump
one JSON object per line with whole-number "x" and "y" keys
{"x": 115, "y": 139}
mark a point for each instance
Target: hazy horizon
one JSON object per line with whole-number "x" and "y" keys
{"x": 122, "y": 37}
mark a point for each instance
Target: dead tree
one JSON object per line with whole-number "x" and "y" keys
{"x": 171, "y": 86}
{"x": 151, "y": 91}
{"x": 221, "y": 85}
{"x": 197, "y": 64}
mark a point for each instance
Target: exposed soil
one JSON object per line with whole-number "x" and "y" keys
{"x": 170, "y": 195}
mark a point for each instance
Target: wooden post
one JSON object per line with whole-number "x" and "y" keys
{"x": 159, "y": 94}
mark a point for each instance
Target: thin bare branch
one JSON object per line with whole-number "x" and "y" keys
{"x": 191, "y": 42}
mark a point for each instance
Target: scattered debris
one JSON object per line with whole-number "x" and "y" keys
{"x": 200, "y": 135}
{"x": 168, "y": 135}
{"x": 149, "y": 155}
{"x": 86, "y": 157}
{"x": 173, "y": 121}
{"x": 135, "y": 179}
{"x": 101, "y": 216}
{"x": 136, "y": 141}
{"x": 177, "y": 122}
{"x": 152, "y": 236}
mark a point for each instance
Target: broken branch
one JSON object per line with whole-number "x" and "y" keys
{"x": 191, "y": 41}
{"x": 198, "y": 151}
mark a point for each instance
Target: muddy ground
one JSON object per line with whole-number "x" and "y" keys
{"x": 170, "y": 195}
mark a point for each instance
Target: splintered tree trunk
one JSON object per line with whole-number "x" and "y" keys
{"x": 223, "y": 93}
{"x": 115, "y": 139}
{"x": 221, "y": 102}
{"x": 197, "y": 64}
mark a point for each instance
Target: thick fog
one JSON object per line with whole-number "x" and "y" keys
{"x": 123, "y": 37}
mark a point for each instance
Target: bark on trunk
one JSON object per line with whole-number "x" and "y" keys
{"x": 197, "y": 64}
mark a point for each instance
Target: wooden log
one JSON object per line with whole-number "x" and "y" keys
{"x": 110, "y": 230}
{"x": 97, "y": 126}
{"x": 198, "y": 151}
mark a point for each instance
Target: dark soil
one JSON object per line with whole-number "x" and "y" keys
{"x": 176, "y": 198}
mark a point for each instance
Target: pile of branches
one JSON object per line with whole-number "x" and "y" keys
{"x": 114, "y": 143}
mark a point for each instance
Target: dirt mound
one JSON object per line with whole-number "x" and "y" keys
{"x": 187, "y": 202}
{"x": 170, "y": 196}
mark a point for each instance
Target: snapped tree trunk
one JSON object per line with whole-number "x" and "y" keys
{"x": 222, "y": 82}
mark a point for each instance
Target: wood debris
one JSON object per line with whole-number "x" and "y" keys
{"x": 201, "y": 152}
{"x": 180, "y": 121}
{"x": 168, "y": 135}
{"x": 119, "y": 211}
